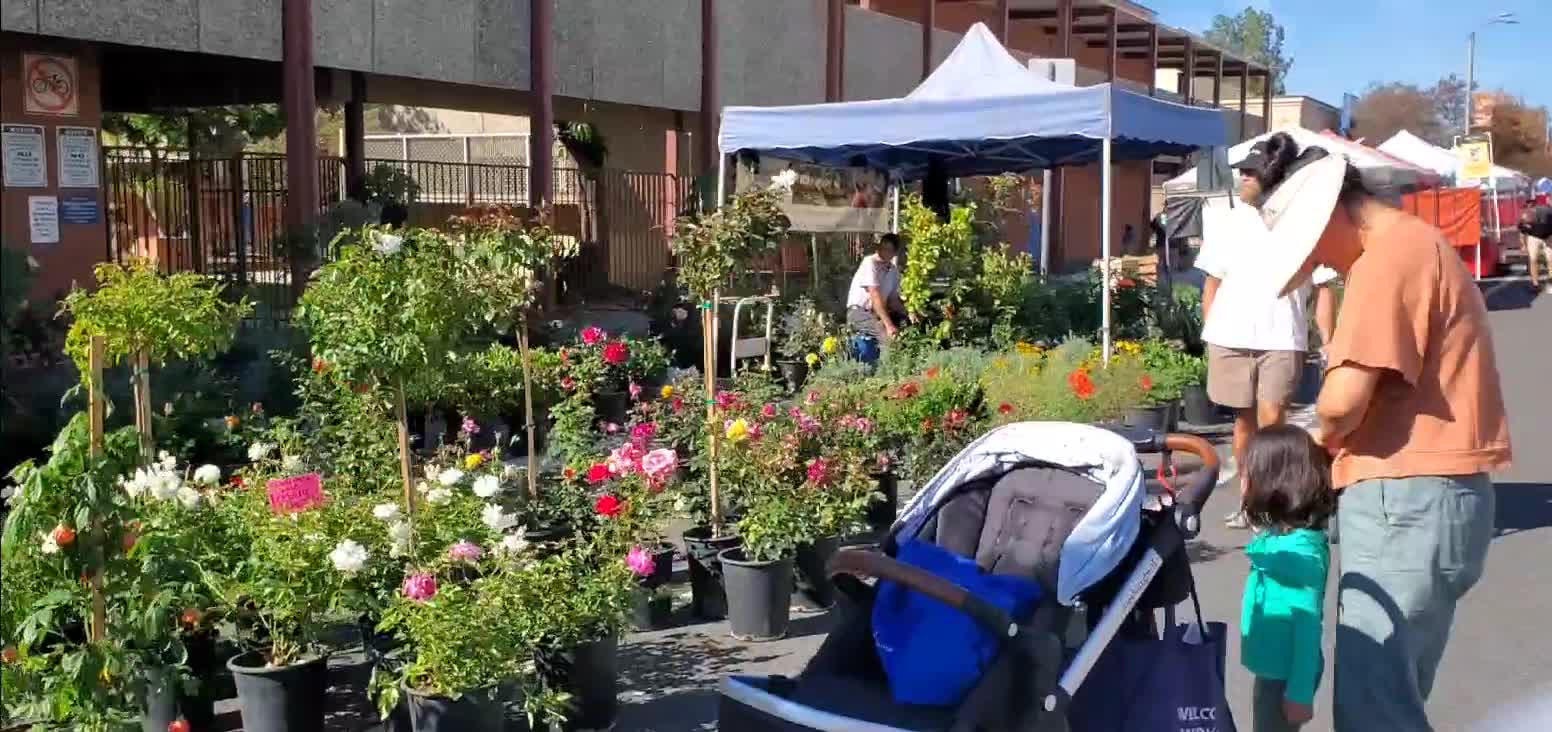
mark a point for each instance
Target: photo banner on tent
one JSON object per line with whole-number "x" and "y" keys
{"x": 1476, "y": 159}
{"x": 826, "y": 199}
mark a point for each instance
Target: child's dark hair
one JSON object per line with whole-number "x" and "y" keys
{"x": 1287, "y": 480}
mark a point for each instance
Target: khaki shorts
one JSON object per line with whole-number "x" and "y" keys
{"x": 1538, "y": 248}
{"x": 1240, "y": 378}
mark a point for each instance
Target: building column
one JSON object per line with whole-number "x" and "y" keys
{"x": 1153, "y": 60}
{"x": 835, "y": 50}
{"x": 710, "y": 70}
{"x": 355, "y": 138}
{"x": 1244, "y": 104}
{"x": 1188, "y": 77}
{"x": 1218, "y": 82}
{"x": 1000, "y": 24}
{"x": 1266, "y": 101}
{"x": 300, "y": 105}
{"x": 1058, "y": 217}
{"x": 1110, "y": 44}
{"x": 541, "y": 131}
{"x": 929, "y": 22}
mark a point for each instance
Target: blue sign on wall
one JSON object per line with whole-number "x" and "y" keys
{"x": 78, "y": 210}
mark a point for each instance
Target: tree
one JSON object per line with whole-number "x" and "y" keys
{"x": 1520, "y": 138}
{"x": 1385, "y": 109}
{"x": 217, "y": 131}
{"x": 1256, "y": 35}
{"x": 1449, "y": 96}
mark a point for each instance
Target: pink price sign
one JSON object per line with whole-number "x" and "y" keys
{"x": 294, "y": 495}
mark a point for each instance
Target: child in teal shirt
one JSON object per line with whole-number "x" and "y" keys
{"x": 1289, "y": 500}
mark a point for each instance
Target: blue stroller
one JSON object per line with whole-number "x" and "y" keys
{"x": 1062, "y": 504}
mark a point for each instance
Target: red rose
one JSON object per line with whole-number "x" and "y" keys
{"x": 1082, "y": 386}
{"x": 1005, "y": 408}
{"x": 678, "y": 405}
{"x": 9, "y": 655}
{"x": 933, "y": 372}
{"x": 180, "y": 725}
{"x": 569, "y": 473}
{"x": 568, "y": 383}
{"x": 191, "y": 617}
{"x": 237, "y": 481}
{"x": 63, "y": 535}
{"x": 1146, "y": 382}
{"x": 955, "y": 419}
{"x": 320, "y": 365}
{"x": 598, "y": 473}
{"x": 616, "y": 353}
{"x": 909, "y": 389}
{"x": 608, "y": 506}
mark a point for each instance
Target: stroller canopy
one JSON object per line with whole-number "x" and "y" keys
{"x": 1102, "y": 537}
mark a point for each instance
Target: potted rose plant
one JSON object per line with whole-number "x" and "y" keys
{"x": 634, "y": 492}
{"x": 805, "y": 332}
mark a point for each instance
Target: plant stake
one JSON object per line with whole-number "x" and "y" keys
{"x": 96, "y": 409}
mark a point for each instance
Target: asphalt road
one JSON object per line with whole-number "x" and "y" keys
{"x": 1500, "y": 652}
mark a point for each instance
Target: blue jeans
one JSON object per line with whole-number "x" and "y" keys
{"x": 1411, "y": 548}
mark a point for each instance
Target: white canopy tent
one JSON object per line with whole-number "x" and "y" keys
{"x": 980, "y": 113}
{"x": 1416, "y": 150}
{"x": 1380, "y": 170}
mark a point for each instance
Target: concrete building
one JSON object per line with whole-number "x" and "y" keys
{"x": 634, "y": 69}
{"x": 1299, "y": 112}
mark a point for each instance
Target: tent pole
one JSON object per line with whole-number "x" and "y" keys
{"x": 1104, "y": 245}
{"x": 1045, "y": 223}
{"x": 894, "y": 203}
{"x": 721, "y": 178}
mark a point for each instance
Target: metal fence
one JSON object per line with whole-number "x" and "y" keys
{"x": 225, "y": 216}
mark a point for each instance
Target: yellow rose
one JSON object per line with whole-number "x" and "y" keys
{"x": 473, "y": 460}
{"x": 830, "y": 345}
{"x": 738, "y": 431}
{"x": 812, "y": 359}
{"x": 667, "y": 391}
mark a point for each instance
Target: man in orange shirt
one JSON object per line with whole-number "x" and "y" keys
{"x": 1413, "y": 414}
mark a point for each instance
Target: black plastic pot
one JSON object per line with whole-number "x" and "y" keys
{"x": 1154, "y": 418}
{"x": 651, "y": 611}
{"x": 881, "y": 515}
{"x": 611, "y": 406}
{"x": 1199, "y": 409}
{"x": 708, "y": 599}
{"x": 794, "y": 373}
{"x": 662, "y": 566}
{"x": 285, "y": 699}
{"x": 476, "y": 711}
{"x": 591, "y": 673}
{"x": 547, "y": 539}
{"x": 166, "y": 702}
{"x": 814, "y": 589}
{"x": 759, "y": 595}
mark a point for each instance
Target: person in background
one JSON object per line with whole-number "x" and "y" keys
{"x": 1256, "y": 344}
{"x": 1413, "y": 411}
{"x": 873, "y": 304}
{"x": 1288, "y": 499}
{"x": 1536, "y": 227}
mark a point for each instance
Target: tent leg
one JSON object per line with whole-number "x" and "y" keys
{"x": 1104, "y": 246}
{"x": 894, "y": 204}
{"x": 1045, "y": 223}
{"x": 721, "y": 180}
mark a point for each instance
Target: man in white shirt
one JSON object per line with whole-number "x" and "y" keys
{"x": 873, "y": 305}
{"x": 1256, "y": 343}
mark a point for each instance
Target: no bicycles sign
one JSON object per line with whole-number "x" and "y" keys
{"x": 51, "y": 85}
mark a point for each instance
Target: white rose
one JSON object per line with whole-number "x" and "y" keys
{"x": 513, "y": 543}
{"x": 189, "y": 497}
{"x": 497, "y": 519}
{"x": 784, "y": 180}
{"x": 487, "y": 486}
{"x": 136, "y": 485}
{"x": 207, "y": 475}
{"x": 165, "y": 486}
{"x": 49, "y": 545}
{"x": 430, "y": 471}
{"x": 422, "y": 486}
{"x": 438, "y": 496}
{"x": 510, "y": 472}
{"x": 399, "y": 534}
{"x": 348, "y": 557}
{"x": 450, "y": 477}
{"x": 386, "y": 511}
{"x": 387, "y": 244}
{"x": 259, "y": 450}
{"x": 291, "y": 463}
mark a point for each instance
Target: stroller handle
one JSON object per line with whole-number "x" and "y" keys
{"x": 863, "y": 563}
{"x": 1191, "y": 499}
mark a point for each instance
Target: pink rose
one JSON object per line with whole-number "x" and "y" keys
{"x": 624, "y": 460}
{"x": 818, "y": 472}
{"x": 768, "y": 411}
{"x": 465, "y": 551}
{"x": 593, "y": 334}
{"x": 643, "y": 433}
{"x": 813, "y": 397}
{"x": 420, "y": 587}
{"x": 659, "y": 463}
{"x": 640, "y": 561}
{"x": 635, "y": 391}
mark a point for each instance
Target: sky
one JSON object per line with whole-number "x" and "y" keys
{"x": 1344, "y": 45}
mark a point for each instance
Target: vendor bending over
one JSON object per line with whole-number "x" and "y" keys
{"x": 873, "y": 304}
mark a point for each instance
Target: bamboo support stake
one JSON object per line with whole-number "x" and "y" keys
{"x": 713, "y": 426}
{"x": 405, "y": 467}
{"x": 96, "y": 411}
{"x": 528, "y": 410}
{"x": 141, "y": 377}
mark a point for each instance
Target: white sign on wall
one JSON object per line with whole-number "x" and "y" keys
{"x": 43, "y": 219}
{"x": 77, "y": 157}
{"x": 26, "y": 161}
